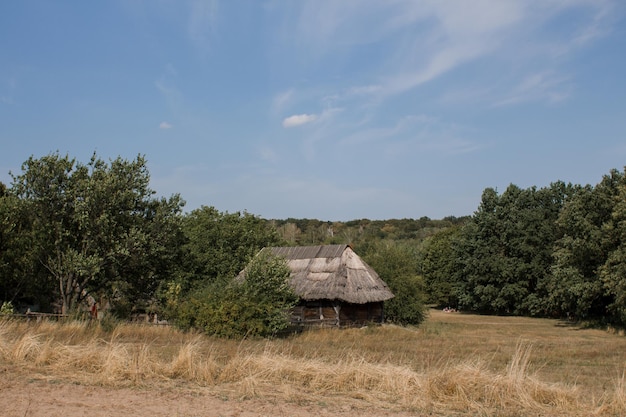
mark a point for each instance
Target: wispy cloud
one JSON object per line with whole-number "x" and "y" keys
{"x": 598, "y": 26}
{"x": 165, "y": 125}
{"x": 298, "y": 120}
{"x": 166, "y": 85}
{"x": 438, "y": 64}
{"x": 511, "y": 49}
{"x": 281, "y": 101}
{"x": 202, "y": 21}
{"x": 546, "y": 86}
{"x": 173, "y": 94}
{"x": 440, "y": 37}
{"x": 413, "y": 135}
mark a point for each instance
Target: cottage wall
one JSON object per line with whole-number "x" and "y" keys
{"x": 333, "y": 313}
{"x": 362, "y": 313}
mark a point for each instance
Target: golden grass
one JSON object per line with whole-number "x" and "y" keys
{"x": 453, "y": 363}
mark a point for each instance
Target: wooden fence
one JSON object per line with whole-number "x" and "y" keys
{"x": 35, "y": 316}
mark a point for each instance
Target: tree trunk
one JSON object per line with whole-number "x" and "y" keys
{"x": 66, "y": 285}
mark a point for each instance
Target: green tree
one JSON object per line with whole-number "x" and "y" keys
{"x": 506, "y": 250}
{"x": 438, "y": 266}
{"x": 397, "y": 265}
{"x": 289, "y": 233}
{"x": 613, "y": 271}
{"x": 482, "y": 261}
{"x": 219, "y": 244}
{"x": 574, "y": 285}
{"x": 95, "y": 227}
{"x": 20, "y": 281}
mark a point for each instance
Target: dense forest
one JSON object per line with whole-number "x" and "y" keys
{"x": 72, "y": 233}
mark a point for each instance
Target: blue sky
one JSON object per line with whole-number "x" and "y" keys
{"x": 334, "y": 110}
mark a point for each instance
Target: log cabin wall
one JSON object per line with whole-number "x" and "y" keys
{"x": 333, "y": 313}
{"x": 362, "y": 313}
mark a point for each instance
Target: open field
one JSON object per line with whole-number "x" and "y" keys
{"x": 452, "y": 365}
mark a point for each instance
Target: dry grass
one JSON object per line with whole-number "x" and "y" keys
{"x": 453, "y": 363}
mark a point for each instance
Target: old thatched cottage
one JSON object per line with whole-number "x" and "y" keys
{"x": 335, "y": 286}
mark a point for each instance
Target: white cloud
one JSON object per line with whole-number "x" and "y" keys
{"x": 440, "y": 63}
{"x": 298, "y": 120}
{"x": 165, "y": 125}
{"x": 411, "y": 136}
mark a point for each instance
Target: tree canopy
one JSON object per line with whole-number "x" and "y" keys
{"x": 220, "y": 244}
{"x": 397, "y": 265}
{"x": 89, "y": 230}
{"x": 557, "y": 251}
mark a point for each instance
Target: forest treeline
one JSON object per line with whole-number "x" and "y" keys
{"x": 72, "y": 233}
{"x": 557, "y": 251}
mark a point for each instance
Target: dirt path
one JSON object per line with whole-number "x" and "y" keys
{"x": 26, "y": 397}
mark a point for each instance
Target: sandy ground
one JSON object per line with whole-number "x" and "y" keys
{"x": 22, "y": 396}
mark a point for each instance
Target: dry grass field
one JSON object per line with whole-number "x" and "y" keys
{"x": 453, "y": 365}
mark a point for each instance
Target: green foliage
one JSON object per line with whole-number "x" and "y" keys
{"x": 362, "y": 231}
{"x": 397, "y": 265}
{"x": 587, "y": 259}
{"x": 504, "y": 254}
{"x": 556, "y": 251}
{"x": 254, "y": 306}
{"x": 267, "y": 280}
{"x": 6, "y": 308}
{"x": 220, "y": 244}
{"x": 19, "y": 277}
{"x": 93, "y": 229}
{"x": 438, "y": 266}
{"x": 613, "y": 271}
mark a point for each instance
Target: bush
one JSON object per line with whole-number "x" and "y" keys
{"x": 255, "y": 305}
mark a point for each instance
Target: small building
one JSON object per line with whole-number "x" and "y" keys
{"x": 336, "y": 287}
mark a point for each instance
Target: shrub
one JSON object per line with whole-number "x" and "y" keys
{"x": 255, "y": 305}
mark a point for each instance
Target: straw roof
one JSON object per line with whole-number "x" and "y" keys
{"x": 332, "y": 272}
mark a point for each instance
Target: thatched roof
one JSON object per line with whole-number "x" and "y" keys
{"x": 332, "y": 272}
